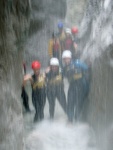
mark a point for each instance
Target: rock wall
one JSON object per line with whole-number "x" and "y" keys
{"x": 14, "y": 25}
{"x": 75, "y": 12}
{"x": 96, "y": 43}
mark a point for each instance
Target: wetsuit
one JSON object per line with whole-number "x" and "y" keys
{"x": 38, "y": 96}
{"x": 77, "y": 88}
{"x": 55, "y": 89}
{"x": 68, "y": 44}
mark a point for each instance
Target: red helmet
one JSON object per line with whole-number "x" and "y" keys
{"x": 74, "y": 30}
{"x": 35, "y": 65}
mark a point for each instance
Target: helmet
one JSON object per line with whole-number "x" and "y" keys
{"x": 60, "y": 25}
{"x": 67, "y": 54}
{"x": 54, "y": 62}
{"x": 74, "y": 30}
{"x": 35, "y": 65}
{"x": 68, "y": 30}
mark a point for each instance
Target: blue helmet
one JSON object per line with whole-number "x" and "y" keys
{"x": 60, "y": 25}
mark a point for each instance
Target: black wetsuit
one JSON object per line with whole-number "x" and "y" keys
{"x": 55, "y": 89}
{"x": 38, "y": 98}
{"x": 77, "y": 90}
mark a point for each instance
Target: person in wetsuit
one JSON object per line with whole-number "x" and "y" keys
{"x": 55, "y": 87}
{"x": 38, "y": 90}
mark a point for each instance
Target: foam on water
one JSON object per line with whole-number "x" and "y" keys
{"x": 58, "y": 135}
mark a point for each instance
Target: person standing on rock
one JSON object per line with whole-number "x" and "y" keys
{"x": 55, "y": 87}
{"x": 38, "y": 90}
{"x": 74, "y": 71}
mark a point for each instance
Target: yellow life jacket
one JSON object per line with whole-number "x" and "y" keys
{"x": 56, "y": 80}
{"x": 62, "y": 36}
{"x": 76, "y": 76}
{"x": 40, "y": 83}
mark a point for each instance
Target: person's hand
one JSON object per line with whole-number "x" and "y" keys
{"x": 44, "y": 75}
{"x": 47, "y": 70}
{"x": 75, "y": 45}
{"x": 27, "y": 77}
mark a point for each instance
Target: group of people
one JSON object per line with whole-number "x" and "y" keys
{"x": 64, "y": 63}
{"x": 65, "y": 39}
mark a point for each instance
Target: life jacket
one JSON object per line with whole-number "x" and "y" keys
{"x": 56, "y": 46}
{"x": 54, "y": 80}
{"x": 72, "y": 73}
{"x": 79, "y": 69}
{"x": 62, "y": 36}
{"x": 38, "y": 83}
{"x": 68, "y": 43}
{"x": 76, "y": 75}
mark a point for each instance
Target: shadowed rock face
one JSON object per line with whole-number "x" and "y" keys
{"x": 13, "y": 30}
{"x": 75, "y": 12}
{"x": 45, "y": 10}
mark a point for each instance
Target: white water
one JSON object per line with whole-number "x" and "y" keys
{"x": 59, "y": 135}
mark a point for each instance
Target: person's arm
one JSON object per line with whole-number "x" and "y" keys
{"x": 75, "y": 45}
{"x": 27, "y": 78}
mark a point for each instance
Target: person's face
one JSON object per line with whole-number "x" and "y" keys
{"x": 36, "y": 71}
{"x": 67, "y": 61}
{"x": 54, "y": 68}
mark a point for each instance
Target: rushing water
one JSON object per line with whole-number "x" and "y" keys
{"x": 60, "y": 135}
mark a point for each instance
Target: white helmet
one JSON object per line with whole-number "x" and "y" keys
{"x": 68, "y": 30}
{"x": 67, "y": 54}
{"x": 54, "y": 62}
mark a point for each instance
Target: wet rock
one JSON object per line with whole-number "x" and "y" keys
{"x": 96, "y": 43}
{"x": 14, "y": 23}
